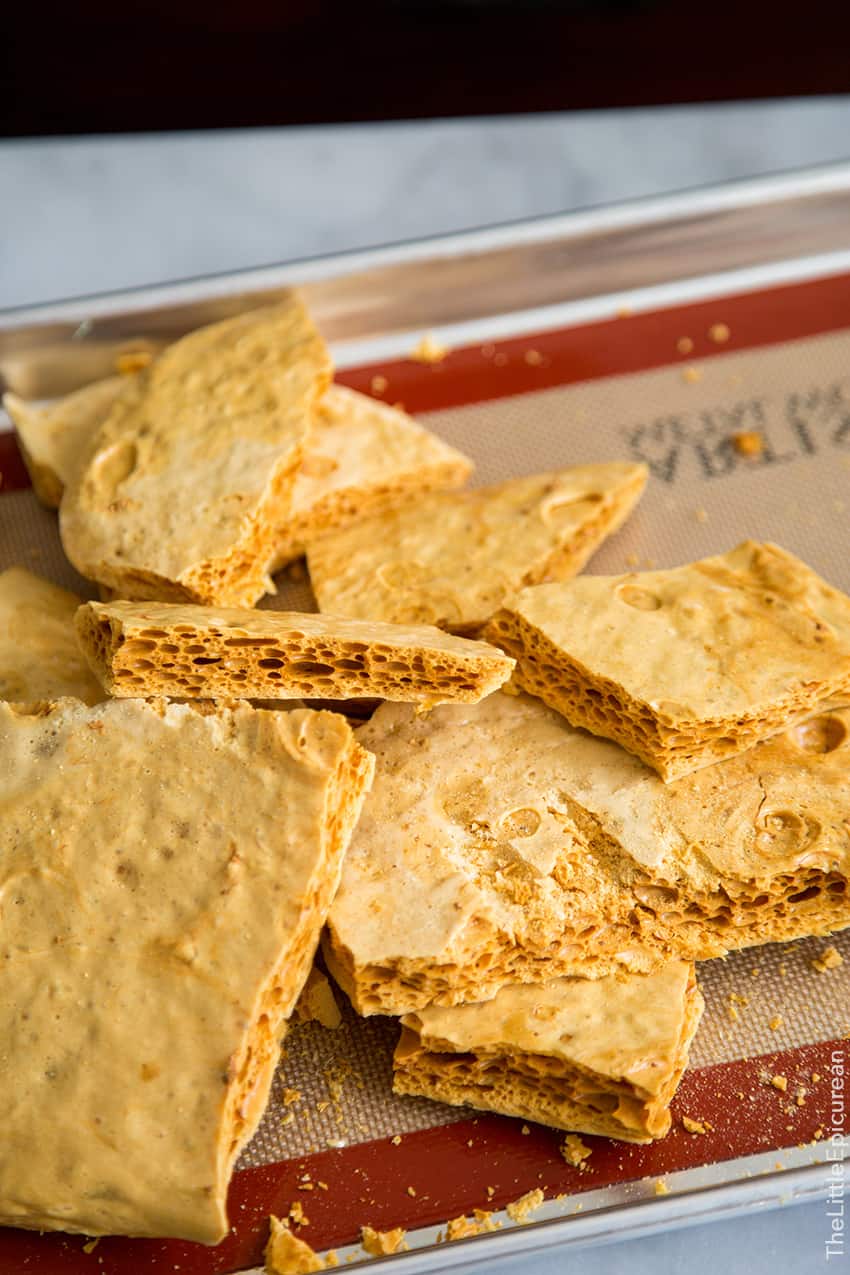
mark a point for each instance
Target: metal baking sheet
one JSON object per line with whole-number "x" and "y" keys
{"x": 571, "y": 339}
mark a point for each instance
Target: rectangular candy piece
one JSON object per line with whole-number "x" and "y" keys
{"x": 600, "y": 1056}
{"x": 39, "y": 654}
{"x": 687, "y": 666}
{"x": 453, "y": 558}
{"x": 166, "y": 871}
{"x": 524, "y": 849}
{"x": 181, "y": 491}
{"x": 156, "y": 648}
{"x": 362, "y": 457}
{"x": 52, "y": 438}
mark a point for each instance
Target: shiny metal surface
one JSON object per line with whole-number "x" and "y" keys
{"x": 48, "y": 350}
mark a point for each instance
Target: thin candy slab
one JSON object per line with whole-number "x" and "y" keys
{"x": 181, "y": 491}
{"x": 687, "y": 666}
{"x": 524, "y": 849}
{"x": 363, "y": 457}
{"x": 164, "y": 875}
{"x": 156, "y": 648}
{"x": 600, "y": 1056}
{"x": 453, "y": 558}
{"x": 39, "y": 654}
{"x": 54, "y": 437}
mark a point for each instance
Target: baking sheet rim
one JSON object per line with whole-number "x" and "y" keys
{"x": 727, "y": 1194}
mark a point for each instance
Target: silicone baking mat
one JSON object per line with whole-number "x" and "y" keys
{"x": 671, "y": 388}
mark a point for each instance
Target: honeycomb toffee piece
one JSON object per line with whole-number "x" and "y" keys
{"x": 363, "y": 457}
{"x": 166, "y": 871}
{"x": 52, "y": 438}
{"x": 39, "y": 654}
{"x": 453, "y": 558}
{"x": 156, "y": 648}
{"x": 601, "y": 1056}
{"x": 181, "y": 491}
{"x": 524, "y": 849}
{"x": 688, "y": 666}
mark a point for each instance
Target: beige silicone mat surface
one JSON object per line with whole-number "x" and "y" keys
{"x": 344, "y": 1077}
{"x": 703, "y": 498}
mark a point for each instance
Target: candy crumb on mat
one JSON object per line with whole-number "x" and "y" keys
{"x": 829, "y": 959}
{"x": 428, "y": 350}
{"x": 460, "y": 1228}
{"x": 748, "y": 442}
{"x": 380, "y": 1243}
{"x": 518, "y": 1210}
{"x": 575, "y": 1152}
{"x": 287, "y": 1255}
{"x": 132, "y": 361}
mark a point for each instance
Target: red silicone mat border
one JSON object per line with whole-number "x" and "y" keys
{"x": 611, "y": 347}
{"x": 566, "y": 356}
{"x": 450, "y": 1169}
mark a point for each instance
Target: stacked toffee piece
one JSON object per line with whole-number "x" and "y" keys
{"x": 575, "y": 788}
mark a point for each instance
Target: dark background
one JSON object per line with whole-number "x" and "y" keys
{"x": 121, "y": 65}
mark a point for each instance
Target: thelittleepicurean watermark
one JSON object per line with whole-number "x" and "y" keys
{"x": 834, "y": 1245}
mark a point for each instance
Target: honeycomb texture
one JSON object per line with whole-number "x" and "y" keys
{"x": 526, "y": 849}
{"x": 689, "y": 666}
{"x": 146, "y": 649}
{"x": 525, "y": 1053}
